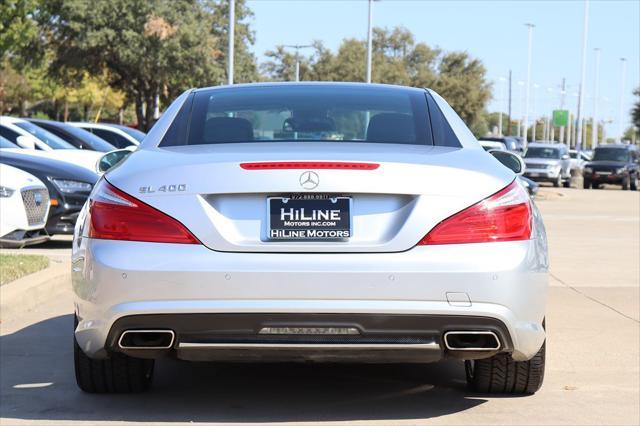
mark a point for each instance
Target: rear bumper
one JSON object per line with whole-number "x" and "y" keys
{"x": 374, "y": 337}
{"x": 502, "y": 283}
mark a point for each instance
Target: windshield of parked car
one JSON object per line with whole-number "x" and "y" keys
{"x": 45, "y": 136}
{"x": 308, "y": 114}
{"x": 134, "y": 133}
{"x": 611, "y": 154}
{"x": 543, "y": 152}
{"x": 4, "y": 143}
{"x": 96, "y": 143}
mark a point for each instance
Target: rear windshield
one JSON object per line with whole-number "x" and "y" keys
{"x": 611, "y": 154}
{"x": 303, "y": 114}
{"x": 551, "y": 153}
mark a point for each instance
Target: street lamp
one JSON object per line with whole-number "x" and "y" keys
{"x": 585, "y": 31}
{"x": 502, "y": 80}
{"x": 548, "y": 136}
{"x": 621, "y": 104}
{"x": 230, "y": 48}
{"x": 297, "y": 47}
{"x": 533, "y": 110}
{"x": 594, "y": 124}
{"x": 528, "y": 88}
{"x": 520, "y": 85}
{"x": 370, "y": 41}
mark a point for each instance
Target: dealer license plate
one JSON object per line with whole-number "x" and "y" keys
{"x": 309, "y": 218}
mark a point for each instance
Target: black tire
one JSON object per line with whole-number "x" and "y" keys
{"x": 117, "y": 374}
{"x": 586, "y": 184}
{"x": 625, "y": 184}
{"x": 634, "y": 183}
{"x": 567, "y": 183}
{"x": 595, "y": 185}
{"x": 500, "y": 374}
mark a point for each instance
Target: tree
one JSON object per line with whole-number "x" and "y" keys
{"x": 149, "y": 50}
{"x": 397, "y": 59}
{"x": 18, "y": 30}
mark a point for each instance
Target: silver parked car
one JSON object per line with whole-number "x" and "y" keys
{"x": 548, "y": 162}
{"x": 310, "y": 222}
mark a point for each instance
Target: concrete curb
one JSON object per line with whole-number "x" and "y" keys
{"x": 27, "y": 293}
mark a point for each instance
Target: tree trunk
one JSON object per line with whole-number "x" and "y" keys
{"x": 139, "y": 112}
{"x": 66, "y": 110}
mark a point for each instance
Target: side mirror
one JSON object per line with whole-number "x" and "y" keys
{"x": 509, "y": 160}
{"x": 565, "y": 157}
{"x": 111, "y": 159}
{"x": 25, "y": 142}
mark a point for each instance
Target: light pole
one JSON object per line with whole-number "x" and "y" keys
{"x": 521, "y": 109}
{"x": 547, "y": 133}
{"x": 503, "y": 81}
{"x": 563, "y": 93}
{"x": 621, "y": 104}
{"x": 232, "y": 25}
{"x": 533, "y": 112}
{"x": 528, "y": 88}
{"x": 585, "y": 31}
{"x": 594, "y": 123}
{"x": 370, "y": 41}
{"x": 298, "y": 47}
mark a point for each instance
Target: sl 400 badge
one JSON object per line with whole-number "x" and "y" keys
{"x": 164, "y": 188}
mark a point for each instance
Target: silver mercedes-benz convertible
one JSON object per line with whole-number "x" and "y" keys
{"x": 314, "y": 222}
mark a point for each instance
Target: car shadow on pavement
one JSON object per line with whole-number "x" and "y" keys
{"x": 37, "y": 383}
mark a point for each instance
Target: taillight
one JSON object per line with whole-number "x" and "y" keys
{"x": 504, "y": 216}
{"x": 116, "y": 215}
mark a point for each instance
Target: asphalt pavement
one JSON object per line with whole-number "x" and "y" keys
{"x": 593, "y": 354}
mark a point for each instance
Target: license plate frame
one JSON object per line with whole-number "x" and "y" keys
{"x": 317, "y": 223}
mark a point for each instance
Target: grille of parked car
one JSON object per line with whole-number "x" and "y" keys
{"x": 539, "y": 166}
{"x": 36, "y": 202}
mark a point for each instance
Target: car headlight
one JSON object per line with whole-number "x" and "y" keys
{"x": 588, "y": 170}
{"x": 67, "y": 186}
{"x": 620, "y": 170}
{"x": 6, "y": 192}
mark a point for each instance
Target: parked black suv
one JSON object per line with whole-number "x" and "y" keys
{"x": 614, "y": 164}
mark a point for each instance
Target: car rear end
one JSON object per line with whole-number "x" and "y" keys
{"x": 239, "y": 239}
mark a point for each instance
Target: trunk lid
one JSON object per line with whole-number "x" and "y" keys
{"x": 392, "y": 206}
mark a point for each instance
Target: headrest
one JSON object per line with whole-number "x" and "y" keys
{"x": 227, "y": 129}
{"x": 391, "y": 128}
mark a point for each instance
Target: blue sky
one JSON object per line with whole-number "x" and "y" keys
{"x": 492, "y": 31}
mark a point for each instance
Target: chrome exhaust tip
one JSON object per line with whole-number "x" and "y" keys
{"x": 471, "y": 341}
{"x": 146, "y": 339}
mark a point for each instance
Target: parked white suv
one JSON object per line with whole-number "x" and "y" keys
{"x": 548, "y": 162}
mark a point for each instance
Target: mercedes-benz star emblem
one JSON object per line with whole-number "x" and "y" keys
{"x": 309, "y": 180}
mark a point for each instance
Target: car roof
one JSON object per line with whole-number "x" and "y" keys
{"x": 547, "y": 145}
{"x": 12, "y": 120}
{"x": 46, "y": 166}
{"x": 372, "y": 86}
{"x": 617, "y": 145}
{"x": 498, "y": 138}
